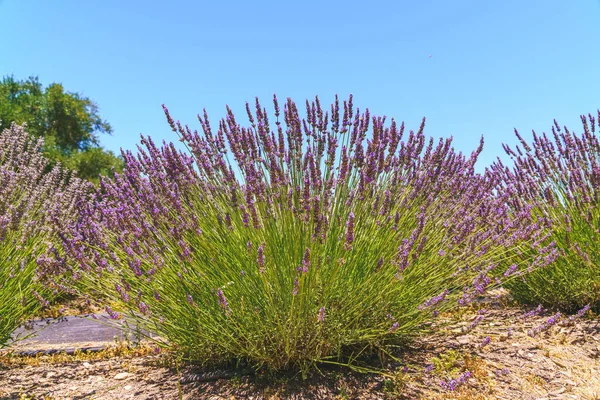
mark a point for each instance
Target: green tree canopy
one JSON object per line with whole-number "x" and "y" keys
{"x": 70, "y": 124}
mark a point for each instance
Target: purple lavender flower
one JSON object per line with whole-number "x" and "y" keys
{"x": 245, "y": 216}
{"x": 545, "y": 326}
{"x": 480, "y": 317}
{"x": 485, "y": 342}
{"x": 296, "y": 287}
{"x": 222, "y": 300}
{"x": 112, "y": 314}
{"x": 510, "y": 270}
{"x": 143, "y": 307}
{"x": 580, "y": 313}
{"x": 124, "y": 295}
{"x": 306, "y": 260}
{"x": 434, "y": 300}
{"x": 190, "y": 299}
{"x": 321, "y": 316}
{"x": 261, "y": 258}
{"x": 537, "y": 311}
{"x": 454, "y": 384}
{"x": 349, "y": 231}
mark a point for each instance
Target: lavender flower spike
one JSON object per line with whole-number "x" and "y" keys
{"x": 349, "y": 231}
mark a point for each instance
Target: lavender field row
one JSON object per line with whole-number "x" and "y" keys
{"x": 288, "y": 242}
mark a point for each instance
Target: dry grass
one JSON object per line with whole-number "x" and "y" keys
{"x": 120, "y": 350}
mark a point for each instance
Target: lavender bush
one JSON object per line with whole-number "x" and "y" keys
{"x": 308, "y": 240}
{"x": 34, "y": 205}
{"x": 557, "y": 177}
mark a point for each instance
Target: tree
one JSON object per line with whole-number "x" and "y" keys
{"x": 70, "y": 124}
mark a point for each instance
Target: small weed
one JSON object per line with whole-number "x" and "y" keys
{"x": 535, "y": 380}
{"x": 546, "y": 352}
{"x": 394, "y": 384}
{"x": 344, "y": 392}
{"x": 449, "y": 362}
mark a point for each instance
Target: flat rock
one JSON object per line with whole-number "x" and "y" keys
{"x": 122, "y": 375}
{"x": 71, "y": 333}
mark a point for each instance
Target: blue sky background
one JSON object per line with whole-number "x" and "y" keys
{"x": 494, "y": 65}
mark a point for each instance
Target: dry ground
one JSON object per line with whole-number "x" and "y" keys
{"x": 562, "y": 363}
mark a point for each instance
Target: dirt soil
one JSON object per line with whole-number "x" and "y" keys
{"x": 560, "y": 363}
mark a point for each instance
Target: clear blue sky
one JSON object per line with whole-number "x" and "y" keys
{"x": 494, "y": 65}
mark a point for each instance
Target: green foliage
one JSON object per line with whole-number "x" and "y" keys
{"x": 92, "y": 162}
{"x": 264, "y": 319}
{"x": 18, "y": 282}
{"x": 70, "y": 124}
